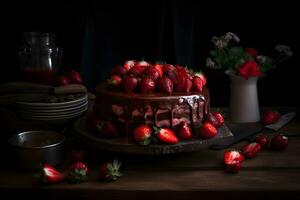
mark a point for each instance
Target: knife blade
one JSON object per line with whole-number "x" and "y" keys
{"x": 245, "y": 132}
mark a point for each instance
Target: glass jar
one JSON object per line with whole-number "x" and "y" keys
{"x": 39, "y": 58}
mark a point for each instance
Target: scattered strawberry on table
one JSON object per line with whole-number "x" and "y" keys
{"x": 50, "y": 175}
{"x": 110, "y": 171}
{"x": 78, "y": 172}
{"x": 251, "y": 150}
{"x": 232, "y": 160}
{"x": 270, "y": 117}
{"x": 279, "y": 142}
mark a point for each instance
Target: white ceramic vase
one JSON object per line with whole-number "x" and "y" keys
{"x": 244, "y": 104}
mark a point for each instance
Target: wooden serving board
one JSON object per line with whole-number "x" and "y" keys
{"x": 129, "y": 147}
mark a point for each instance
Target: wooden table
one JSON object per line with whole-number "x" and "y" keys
{"x": 194, "y": 175}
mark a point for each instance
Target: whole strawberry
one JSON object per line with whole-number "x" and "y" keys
{"x": 50, "y": 175}
{"x": 78, "y": 172}
{"x": 251, "y": 150}
{"x": 213, "y": 120}
{"x": 184, "y": 131}
{"x": 130, "y": 84}
{"x": 75, "y": 77}
{"x": 147, "y": 85}
{"x": 165, "y": 85}
{"x": 142, "y": 134}
{"x": 207, "y": 131}
{"x": 263, "y": 140}
{"x": 279, "y": 142}
{"x": 220, "y": 119}
{"x": 197, "y": 84}
{"x": 165, "y": 135}
{"x": 152, "y": 73}
{"x": 109, "y": 171}
{"x": 158, "y": 67}
{"x": 115, "y": 80}
{"x": 168, "y": 67}
{"x": 270, "y": 117}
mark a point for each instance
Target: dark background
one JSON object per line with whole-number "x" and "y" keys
{"x": 98, "y": 36}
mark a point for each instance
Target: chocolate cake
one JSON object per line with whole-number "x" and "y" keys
{"x": 128, "y": 111}
{"x": 156, "y": 96}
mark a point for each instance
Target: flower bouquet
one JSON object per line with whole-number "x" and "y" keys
{"x": 244, "y": 66}
{"x": 246, "y": 62}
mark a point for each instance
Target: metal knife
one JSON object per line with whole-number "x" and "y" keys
{"x": 245, "y": 132}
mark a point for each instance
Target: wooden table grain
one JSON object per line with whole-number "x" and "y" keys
{"x": 196, "y": 175}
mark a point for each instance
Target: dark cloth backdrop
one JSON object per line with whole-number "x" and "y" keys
{"x": 99, "y": 36}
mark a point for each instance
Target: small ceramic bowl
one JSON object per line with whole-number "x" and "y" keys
{"x": 33, "y": 148}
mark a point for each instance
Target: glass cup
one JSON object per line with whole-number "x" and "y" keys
{"x": 39, "y": 58}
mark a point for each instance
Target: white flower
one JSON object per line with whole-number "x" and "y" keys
{"x": 231, "y": 36}
{"x": 261, "y": 59}
{"x": 284, "y": 49}
{"x": 210, "y": 63}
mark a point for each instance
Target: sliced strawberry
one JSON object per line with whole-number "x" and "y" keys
{"x": 142, "y": 134}
{"x": 232, "y": 157}
{"x": 279, "y": 142}
{"x": 207, "y": 131}
{"x": 165, "y": 135}
{"x": 109, "y": 171}
{"x": 165, "y": 85}
{"x": 130, "y": 84}
{"x": 78, "y": 172}
{"x": 184, "y": 131}
{"x": 270, "y": 117}
{"x": 147, "y": 85}
{"x": 251, "y": 150}
{"x": 51, "y": 175}
{"x": 129, "y": 64}
{"x": 143, "y": 64}
{"x": 263, "y": 140}
{"x": 115, "y": 80}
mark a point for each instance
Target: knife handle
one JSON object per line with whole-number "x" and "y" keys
{"x": 238, "y": 136}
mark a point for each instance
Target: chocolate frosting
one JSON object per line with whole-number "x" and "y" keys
{"x": 128, "y": 111}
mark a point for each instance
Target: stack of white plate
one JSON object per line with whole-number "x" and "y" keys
{"x": 44, "y": 111}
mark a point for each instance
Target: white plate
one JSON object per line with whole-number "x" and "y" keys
{"x": 56, "y": 105}
{"x": 58, "y": 117}
{"x": 52, "y": 111}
